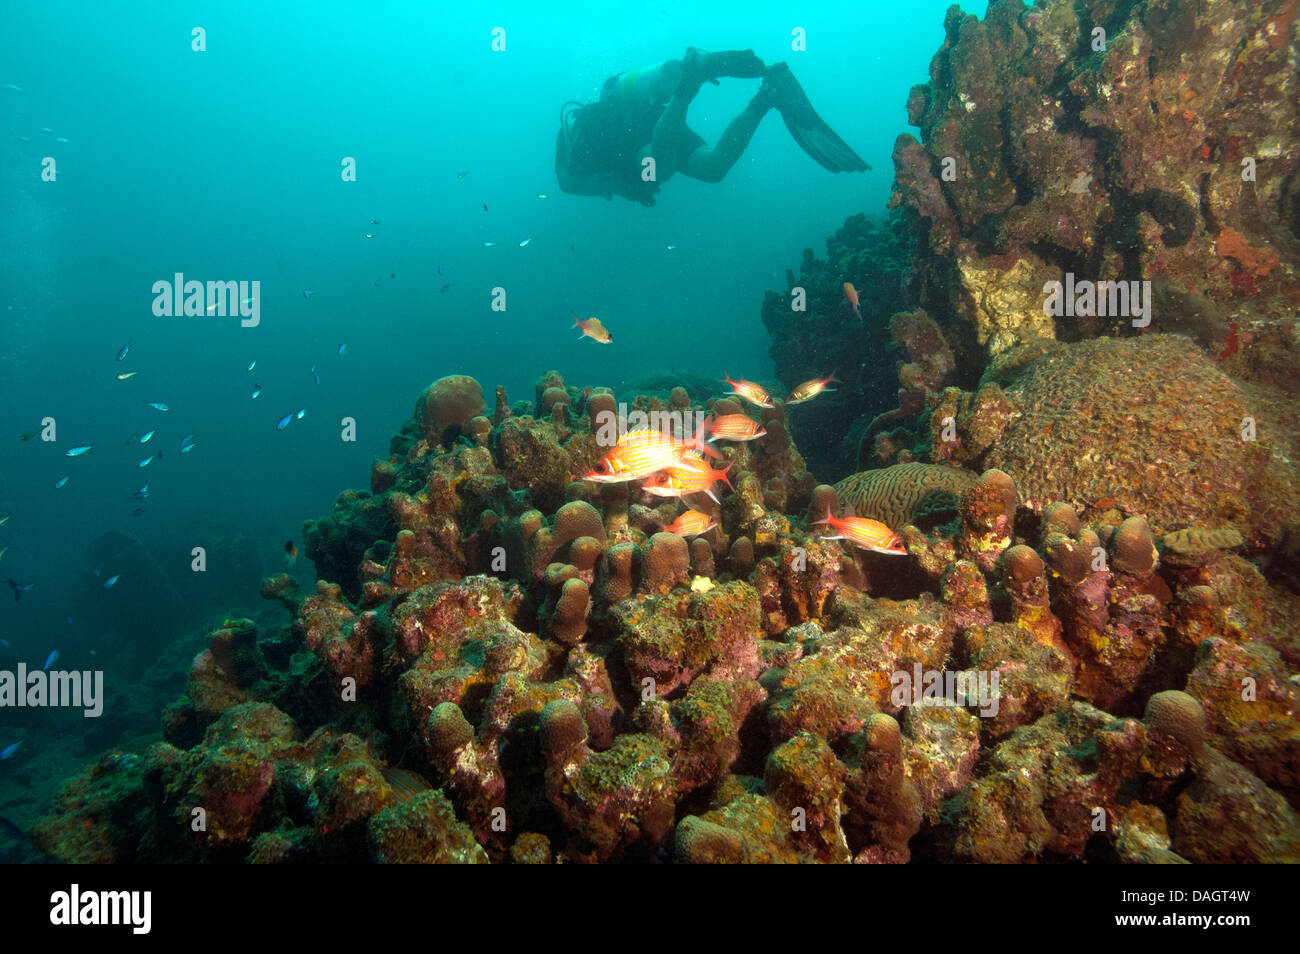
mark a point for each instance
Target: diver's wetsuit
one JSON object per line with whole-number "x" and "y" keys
{"x": 601, "y": 146}
{"x": 614, "y": 136}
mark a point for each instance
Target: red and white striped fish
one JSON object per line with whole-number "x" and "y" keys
{"x": 691, "y": 523}
{"x": 751, "y": 392}
{"x": 735, "y": 427}
{"x": 865, "y": 533}
{"x": 810, "y": 389}
{"x": 690, "y": 475}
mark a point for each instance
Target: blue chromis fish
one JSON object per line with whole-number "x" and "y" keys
{"x": 77, "y": 451}
{"x": 302, "y": 412}
{"x": 58, "y": 484}
{"x": 159, "y": 406}
{"x": 125, "y": 349}
{"x": 145, "y": 462}
{"x": 343, "y": 349}
{"x": 112, "y": 579}
{"x": 314, "y": 376}
{"x": 283, "y": 422}
{"x": 140, "y": 494}
{"x": 19, "y": 588}
{"x": 5, "y": 519}
{"x": 9, "y": 750}
{"x": 257, "y": 391}
{"x": 51, "y": 659}
{"x": 5, "y": 644}
{"x": 251, "y": 365}
{"x": 306, "y": 293}
{"x": 145, "y": 438}
{"x": 187, "y": 443}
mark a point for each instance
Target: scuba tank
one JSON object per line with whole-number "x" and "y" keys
{"x": 649, "y": 86}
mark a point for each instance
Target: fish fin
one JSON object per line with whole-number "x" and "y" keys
{"x": 727, "y": 480}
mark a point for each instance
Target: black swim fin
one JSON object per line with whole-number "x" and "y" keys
{"x": 809, "y": 131}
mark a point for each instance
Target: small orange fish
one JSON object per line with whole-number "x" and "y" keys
{"x": 691, "y": 524}
{"x": 748, "y": 390}
{"x": 810, "y": 389}
{"x": 593, "y": 329}
{"x": 290, "y": 553}
{"x": 866, "y": 533}
{"x": 851, "y": 296}
{"x": 735, "y": 427}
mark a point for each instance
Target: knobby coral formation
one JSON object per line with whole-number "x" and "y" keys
{"x": 1087, "y": 651}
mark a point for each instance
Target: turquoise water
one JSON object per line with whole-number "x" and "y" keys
{"x": 225, "y": 165}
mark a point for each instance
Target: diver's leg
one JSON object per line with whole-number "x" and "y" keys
{"x": 670, "y": 132}
{"x": 712, "y": 163}
{"x": 670, "y": 135}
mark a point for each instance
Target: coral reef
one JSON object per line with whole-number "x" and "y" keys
{"x": 1087, "y": 651}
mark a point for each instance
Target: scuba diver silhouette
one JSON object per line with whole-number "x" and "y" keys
{"x": 601, "y": 146}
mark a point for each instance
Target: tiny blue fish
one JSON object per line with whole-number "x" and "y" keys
{"x": 77, "y": 451}
{"x": 50, "y": 660}
{"x": 4, "y": 644}
{"x": 125, "y": 349}
{"x": 187, "y": 443}
{"x": 145, "y": 462}
{"x": 145, "y": 439}
{"x": 301, "y": 414}
{"x": 306, "y": 293}
{"x": 19, "y": 588}
{"x": 251, "y": 365}
{"x": 159, "y": 406}
{"x": 257, "y": 391}
{"x": 61, "y": 481}
{"x": 314, "y": 376}
{"x": 343, "y": 349}
{"x": 9, "y": 750}
{"x": 140, "y": 494}
{"x": 111, "y": 580}
{"x": 283, "y": 422}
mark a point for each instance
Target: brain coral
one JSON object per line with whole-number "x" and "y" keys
{"x": 898, "y": 495}
{"x": 1153, "y": 423}
{"x": 453, "y": 400}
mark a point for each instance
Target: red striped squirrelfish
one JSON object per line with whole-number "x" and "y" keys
{"x": 638, "y": 455}
{"x": 810, "y": 389}
{"x": 593, "y": 328}
{"x": 748, "y": 390}
{"x": 851, "y": 296}
{"x": 696, "y": 478}
{"x": 692, "y": 523}
{"x": 865, "y": 533}
{"x": 735, "y": 427}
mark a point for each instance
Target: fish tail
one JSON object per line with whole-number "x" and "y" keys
{"x": 727, "y": 480}
{"x": 701, "y": 440}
